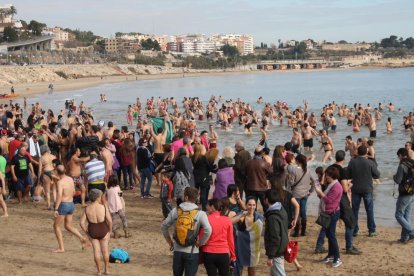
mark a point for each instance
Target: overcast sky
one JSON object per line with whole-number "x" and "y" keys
{"x": 266, "y": 20}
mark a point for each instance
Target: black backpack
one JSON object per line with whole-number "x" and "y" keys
{"x": 407, "y": 185}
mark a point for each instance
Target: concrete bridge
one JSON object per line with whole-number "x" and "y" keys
{"x": 42, "y": 43}
{"x": 292, "y": 64}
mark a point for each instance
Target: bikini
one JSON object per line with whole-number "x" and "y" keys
{"x": 97, "y": 230}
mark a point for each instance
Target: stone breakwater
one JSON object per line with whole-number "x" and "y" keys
{"x": 11, "y": 75}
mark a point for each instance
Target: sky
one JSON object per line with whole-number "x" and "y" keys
{"x": 266, "y": 20}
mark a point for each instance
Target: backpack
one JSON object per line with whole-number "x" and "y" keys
{"x": 407, "y": 185}
{"x": 185, "y": 232}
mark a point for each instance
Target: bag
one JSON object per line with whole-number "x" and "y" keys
{"x": 324, "y": 220}
{"x": 407, "y": 185}
{"x": 152, "y": 166}
{"x": 185, "y": 234}
{"x": 291, "y": 251}
{"x": 118, "y": 255}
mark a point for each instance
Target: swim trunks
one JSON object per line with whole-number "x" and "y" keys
{"x": 66, "y": 208}
{"x": 308, "y": 143}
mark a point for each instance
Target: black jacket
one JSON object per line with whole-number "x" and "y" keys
{"x": 276, "y": 231}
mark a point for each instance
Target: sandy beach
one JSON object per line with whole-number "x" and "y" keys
{"x": 27, "y": 241}
{"x": 35, "y": 79}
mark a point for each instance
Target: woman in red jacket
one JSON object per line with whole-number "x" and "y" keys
{"x": 219, "y": 250}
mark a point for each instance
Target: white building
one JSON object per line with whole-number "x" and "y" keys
{"x": 244, "y": 43}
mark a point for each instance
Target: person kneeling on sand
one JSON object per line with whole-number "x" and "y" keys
{"x": 64, "y": 209}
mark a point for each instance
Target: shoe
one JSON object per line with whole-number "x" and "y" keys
{"x": 337, "y": 263}
{"x": 320, "y": 250}
{"x": 142, "y": 196}
{"x": 352, "y": 251}
{"x": 355, "y": 234}
{"x": 149, "y": 196}
{"x": 403, "y": 241}
{"x": 372, "y": 234}
{"x": 327, "y": 260}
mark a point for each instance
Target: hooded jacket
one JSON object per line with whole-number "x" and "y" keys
{"x": 201, "y": 221}
{"x": 276, "y": 231}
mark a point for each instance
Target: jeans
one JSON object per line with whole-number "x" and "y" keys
{"x": 333, "y": 250}
{"x": 278, "y": 267}
{"x": 187, "y": 262}
{"x": 146, "y": 175}
{"x": 127, "y": 172}
{"x": 257, "y": 195}
{"x": 217, "y": 263}
{"x": 403, "y": 215}
{"x": 369, "y": 208}
{"x": 349, "y": 232}
{"x": 204, "y": 190}
{"x": 302, "y": 203}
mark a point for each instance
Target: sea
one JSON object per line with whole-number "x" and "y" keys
{"x": 318, "y": 88}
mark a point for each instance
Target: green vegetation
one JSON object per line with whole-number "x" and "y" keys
{"x": 86, "y": 37}
{"x": 36, "y": 27}
{"x": 229, "y": 51}
{"x": 395, "y": 42}
{"x": 10, "y": 34}
{"x": 150, "y": 44}
{"x": 4, "y": 12}
{"x": 142, "y": 59}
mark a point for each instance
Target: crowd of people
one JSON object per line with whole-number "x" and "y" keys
{"x": 74, "y": 159}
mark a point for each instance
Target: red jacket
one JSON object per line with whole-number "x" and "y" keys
{"x": 221, "y": 239}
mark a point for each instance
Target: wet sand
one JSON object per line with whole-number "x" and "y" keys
{"x": 27, "y": 240}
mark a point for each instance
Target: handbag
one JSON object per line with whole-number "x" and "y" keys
{"x": 324, "y": 220}
{"x": 291, "y": 251}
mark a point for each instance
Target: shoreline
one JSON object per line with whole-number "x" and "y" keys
{"x": 64, "y": 85}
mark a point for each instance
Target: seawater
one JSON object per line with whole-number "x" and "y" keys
{"x": 318, "y": 88}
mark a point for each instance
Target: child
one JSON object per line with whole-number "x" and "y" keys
{"x": 166, "y": 193}
{"x": 116, "y": 205}
{"x": 3, "y": 192}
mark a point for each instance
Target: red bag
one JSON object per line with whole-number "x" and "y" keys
{"x": 291, "y": 251}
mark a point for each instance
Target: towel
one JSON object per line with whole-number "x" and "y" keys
{"x": 32, "y": 148}
{"x": 159, "y": 123}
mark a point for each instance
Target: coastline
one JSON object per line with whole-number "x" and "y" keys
{"x": 24, "y": 89}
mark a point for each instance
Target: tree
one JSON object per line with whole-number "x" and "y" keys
{"x": 342, "y": 42}
{"x": 150, "y": 44}
{"x": 12, "y": 11}
{"x": 36, "y": 27}
{"x": 10, "y": 34}
{"x": 409, "y": 42}
{"x": 390, "y": 42}
{"x": 301, "y": 48}
{"x": 230, "y": 51}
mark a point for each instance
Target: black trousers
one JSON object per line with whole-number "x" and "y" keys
{"x": 217, "y": 263}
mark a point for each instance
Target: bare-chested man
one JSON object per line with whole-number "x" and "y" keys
{"x": 296, "y": 140}
{"x": 308, "y": 133}
{"x": 159, "y": 140}
{"x": 351, "y": 146}
{"x": 74, "y": 169}
{"x": 64, "y": 209}
{"x": 107, "y": 158}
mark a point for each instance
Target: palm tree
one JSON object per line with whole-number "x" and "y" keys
{"x": 12, "y": 11}
{"x": 2, "y": 14}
